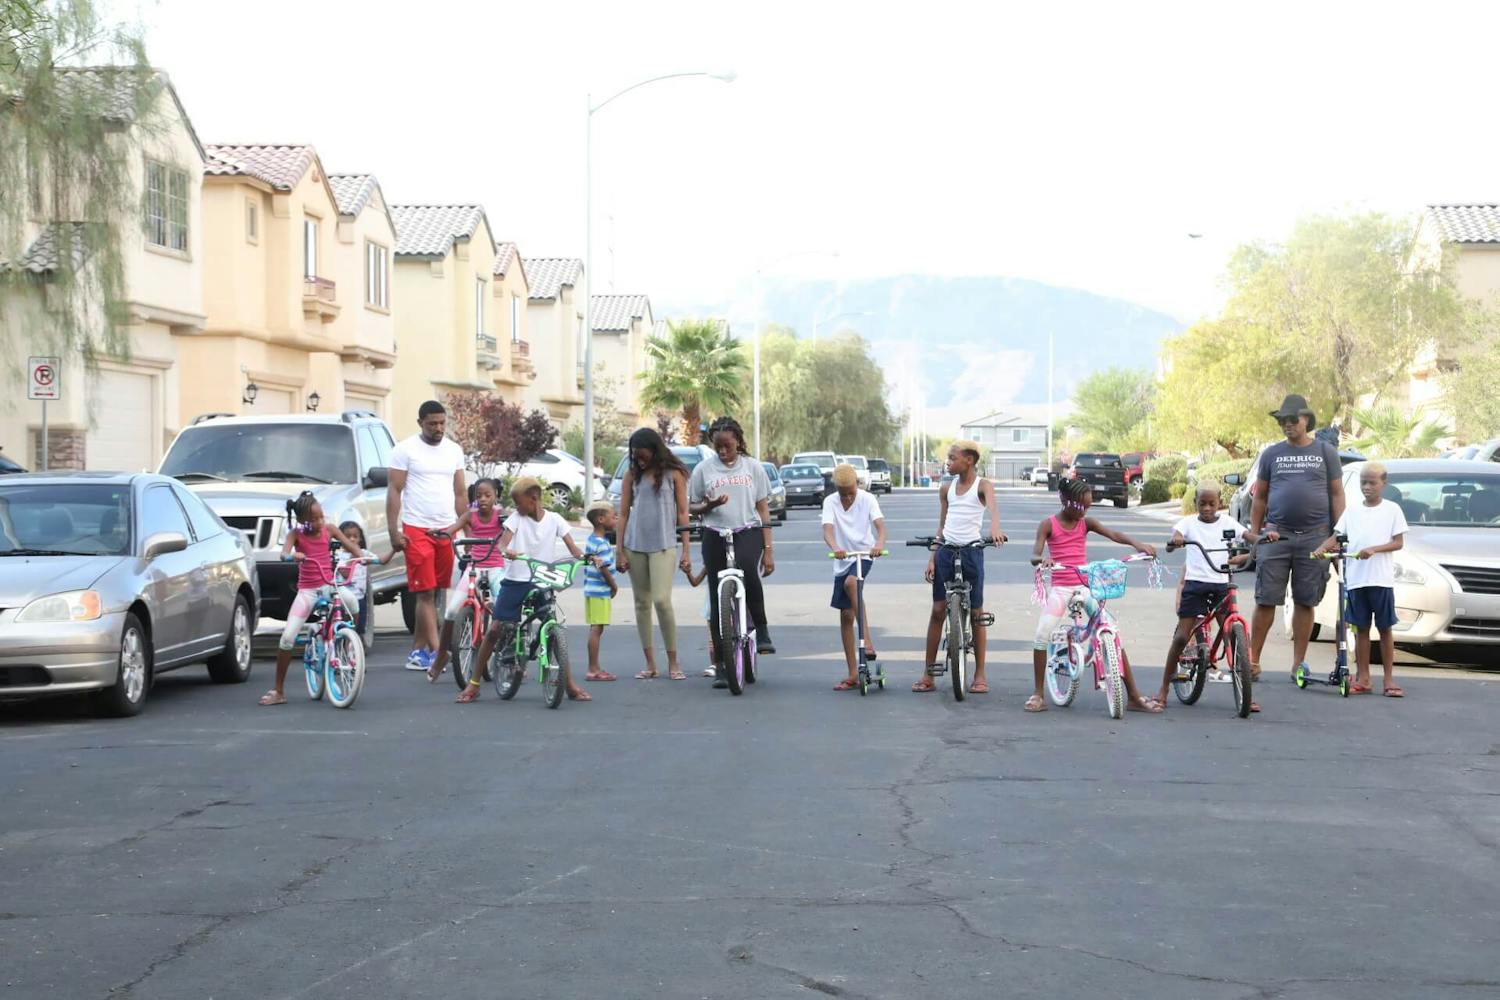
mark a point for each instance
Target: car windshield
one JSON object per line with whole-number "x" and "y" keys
{"x": 689, "y": 457}
{"x": 1098, "y": 461}
{"x": 801, "y": 472}
{"x": 83, "y": 519}
{"x": 878, "y": 465}
{"x": 821, "y": 461}
{"x": 1444, "y": 500}
{"x": 319, "y": 453}
{"x": 858, "y": 461}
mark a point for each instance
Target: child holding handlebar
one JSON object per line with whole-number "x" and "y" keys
{"x": 852, "y": 522}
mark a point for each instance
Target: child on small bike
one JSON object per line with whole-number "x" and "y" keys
{"x": 482, "y": 520}
{"x": 359, "y": 576}
{"x": 695, "y": 578}
{"x": 310, "y": 536}
{"x": 1204, "y": 586}
{"x": 532, "y": 531}
{"x": 963, "y": 503}
{"x": 852, "y": 522}
{"x": 599, "y": 586}
{"x": 1063, "y": 538}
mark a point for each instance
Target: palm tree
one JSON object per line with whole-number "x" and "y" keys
{"x": 1389, "y": 433}
{"x": 696, "y": 367}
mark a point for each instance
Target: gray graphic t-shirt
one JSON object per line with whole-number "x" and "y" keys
{"x": 1299, "y": 478}
{"x": 745, "y": 482}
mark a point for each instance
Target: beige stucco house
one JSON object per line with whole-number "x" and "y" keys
{"x": 622, "y": 325}
{"x": 516, "y": 381}
{"x": 299, "y": 310}
{"x": 555, "y": 324}
{"x": 452, "y": 333}
{"x": 122, "y": 415}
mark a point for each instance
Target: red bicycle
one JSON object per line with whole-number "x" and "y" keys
{"x": 474, "y": 618}
{"x": 1229, "y": 646}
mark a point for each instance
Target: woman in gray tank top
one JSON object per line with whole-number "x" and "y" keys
{"x": 653, "y": 505}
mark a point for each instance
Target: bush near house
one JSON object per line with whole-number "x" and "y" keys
{"x": 1167, "y": 468}
{"x": 1175, "y": 491}
{"x": 1155, "y": 491}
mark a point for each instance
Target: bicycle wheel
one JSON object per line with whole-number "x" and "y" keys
{"x": 1062, "y": 670}
{"x": 508, "y": 673}
{"x": 1239, "y": 669}
{"x": 464, "y": 650}
{"x": 731, "y": 647}
{"x": 752, "y": 660}
{"x": 1190, "y": 688}
{"x": 1114, "y": 678}
{"x": 312, "y": 666}
{"x": 556, "y": 645}
{"x": 958, "y": 650}
{"x": 346, "y": 668}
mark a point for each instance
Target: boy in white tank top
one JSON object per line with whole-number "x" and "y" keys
{"x": 962, "y": 505}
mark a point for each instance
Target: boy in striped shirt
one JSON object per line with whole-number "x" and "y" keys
{"x": 599, "y": 587}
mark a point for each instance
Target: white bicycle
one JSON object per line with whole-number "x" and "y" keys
{"x": 736, "y": 646}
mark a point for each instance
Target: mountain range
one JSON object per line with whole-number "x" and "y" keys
{"x": 963, "y": 347}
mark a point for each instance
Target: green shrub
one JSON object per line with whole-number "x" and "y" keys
{"x": 1189, "y": 504}
{"x": 1175, "y": 491}
{"x": 1155, "y": 491}
{"x": 1167, "y": 468}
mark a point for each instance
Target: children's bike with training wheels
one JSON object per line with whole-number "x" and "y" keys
{"x": 1229, "y": 646}
{"x": 1092, "y": 637}
{"x": 736, "y": 646}
{"x": 865, "y": 676}
{"x": 957, "y": 644}
{"x": 474, "y": 616}
{"x": 333, "y": 651}
{"x": 541, "y": 635}
{"x": 1339, "y": 678}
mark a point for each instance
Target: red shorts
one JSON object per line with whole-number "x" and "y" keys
{"x": 429, "y": 561}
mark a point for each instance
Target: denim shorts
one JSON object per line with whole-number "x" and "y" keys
{"x": 973, "y": 564}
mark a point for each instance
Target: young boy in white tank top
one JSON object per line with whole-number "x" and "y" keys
{"x": 962, "y": 506}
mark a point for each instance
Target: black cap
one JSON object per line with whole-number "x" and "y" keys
{"x": 1293, "y": 406}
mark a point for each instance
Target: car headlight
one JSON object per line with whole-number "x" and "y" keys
{"x": 74, "y": 606}
{"x": 1408, "y": 573}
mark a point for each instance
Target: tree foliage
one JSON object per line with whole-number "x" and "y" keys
{"x": 494, "y": 433}
{"x": 1386, "y": 432}
{"x": 69, "y": 140}
{"x": 830, "y": 395}
{"x": 697, "y": 368}
{"x": 1112, "y": 407}
{"x": 1471, "y": 383}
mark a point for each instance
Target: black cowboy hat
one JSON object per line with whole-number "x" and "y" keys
{"x": 1296, "y": 406}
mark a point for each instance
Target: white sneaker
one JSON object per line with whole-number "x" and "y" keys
{"x": 711, "y": 672}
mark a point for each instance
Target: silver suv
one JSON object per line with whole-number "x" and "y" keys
{"x": 247, "y": 468}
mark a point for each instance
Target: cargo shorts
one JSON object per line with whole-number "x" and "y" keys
{"x": 1288, "y": 560}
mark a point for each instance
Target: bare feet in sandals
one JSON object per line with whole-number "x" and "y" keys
{"x": 979, "y": 687}
{"x": 1140, "y": 704}
{"x": 576, "y": 693}
{"x": 273, "y": 698}
{"x": 924, "y": 685}
{"x": 1036, "y": 703}
{"x": 599, "y": 675}
{"x": 847, "y": 684}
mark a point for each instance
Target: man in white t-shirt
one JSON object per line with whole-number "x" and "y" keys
{"x": 852, "y": 522}
{"x": 1205, "y": 587}
{"x": 426, "y": 496}
{"x": 1375, "y": 528}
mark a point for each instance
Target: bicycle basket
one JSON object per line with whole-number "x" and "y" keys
{"x": 1107, "y": 579}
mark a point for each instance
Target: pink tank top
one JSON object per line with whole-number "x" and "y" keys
{"x": 1069, "y": 547}
{"x": 478, "y": 529}
{"x": 317, "y": 565}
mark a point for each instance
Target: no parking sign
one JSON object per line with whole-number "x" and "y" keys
{"x": 43, "y": 379}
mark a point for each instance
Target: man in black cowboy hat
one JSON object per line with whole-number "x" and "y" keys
{"x": 1299, "y": 495}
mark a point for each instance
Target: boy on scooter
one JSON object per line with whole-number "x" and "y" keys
{"x": 852, "y": 522}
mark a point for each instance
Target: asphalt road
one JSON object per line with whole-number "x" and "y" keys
{"x": 667, "y": 840}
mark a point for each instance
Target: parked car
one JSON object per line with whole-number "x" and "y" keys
{"x": 861, "y": 469}
{"x": 1105, "y": 473}
{"x": 559, "y": 472}
{"x": 109, "y": 579}
{"x": 880, "y": 476}
{"x": 1040, "y": 476}
{"x": 824, "y": 460}
{"x": 1448, "y": 570}
{"x": 1135, "y": 466}
{"x": 1487, "y": 451}
{"x": 777, "y": 501}
{"x": 247, "y": 468}
{"x": 805, "y": 486}
{"x": 9, "y": 468}
{"x": 689, "y": 454}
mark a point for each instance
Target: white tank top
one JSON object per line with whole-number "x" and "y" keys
{"x": 964, "y": 513}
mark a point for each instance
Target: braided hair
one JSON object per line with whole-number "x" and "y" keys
{"x": 728, "y": 425}
{"x": 1072, "y": 492}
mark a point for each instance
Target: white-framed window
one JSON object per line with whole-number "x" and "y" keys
{"x": 377, "y": 276}
{"x": 309, "y": 247}
{"x": 166, "y": 206}
{"x": 479, "y": 297}
{"x": 515, "y": 318}
{"x": 252, "y": 221}
{"x": 1020, "y": 435}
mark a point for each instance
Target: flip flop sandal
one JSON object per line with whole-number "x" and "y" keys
{"x": 1035, "y": 704}
{"x": 979, "y": 689}
{"x": 272, "y": 698}
{"x": 1394, "y": 692}
{"x": 1358, "y": 688}
{"x": 580, "y": 696}
{"x": 846, "y": 685}
{"x": 924, "y": 686}
{"x": 646, "y": 675}
{"x": 679, "y": 676}
{"x": 603, "y": 675}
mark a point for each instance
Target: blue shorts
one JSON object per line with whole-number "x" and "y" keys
{"x": 973, "y": 564}
{"x": 1371, "y": 603}
{"x": 507, "y": 606}
{"x": 840, "y": 596}
{"x": 1199, "y": 598}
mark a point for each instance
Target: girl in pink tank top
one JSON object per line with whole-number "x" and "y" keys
{"x": 1062, "y": 542}
{"x": 482, "y": 520}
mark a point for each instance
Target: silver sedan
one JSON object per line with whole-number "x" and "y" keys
{"x": 107, "y": 579}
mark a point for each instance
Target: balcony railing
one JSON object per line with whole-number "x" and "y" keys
{"x": 488, "y": 344}
{"x": 520, "y": 348}
{"x": 319, "y": 288}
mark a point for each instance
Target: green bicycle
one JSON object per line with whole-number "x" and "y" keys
{"x": 541, "y": 635}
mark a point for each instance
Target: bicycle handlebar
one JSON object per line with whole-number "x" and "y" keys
{"x": 934, "y": 542}
{"x": 346, "y": 568}
{"x": 854, "y": 554}
{"x": 1230, "y": 550}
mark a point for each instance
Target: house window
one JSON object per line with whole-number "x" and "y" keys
{"x": 252, "y": 221}
{"x": 166, "y": 206}
{"x": 515, "y": 318}
{"x": 479, "y": 307}
{"x": 377, "y": 276}
{"x": 309, "y": 248}
{"x": 1020, "y": 435}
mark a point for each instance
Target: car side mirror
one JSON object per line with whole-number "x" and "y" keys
{"x": 164, "y": 542}
{"x": 377, "y": 478}
{"x": 1234, "y": 479}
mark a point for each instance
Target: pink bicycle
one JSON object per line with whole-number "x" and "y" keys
{"x": 1091, "y": 637}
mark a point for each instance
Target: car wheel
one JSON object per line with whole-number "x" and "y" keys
{"x": 127, "y": 696}
{"x": 232, "y": 664}
{"x": 409, "y": 611}
{"x": 560, "y": 493}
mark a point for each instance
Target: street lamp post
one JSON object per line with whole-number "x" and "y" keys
{"x": 588, "y": 261}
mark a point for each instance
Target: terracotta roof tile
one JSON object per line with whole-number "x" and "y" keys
{"x": 1467, "y": 223}
{"x": 352, "y": 191}
{"x": 614, "y": 313}
{"x": 282, "y": 167}
{"x": 546, "y": 276}
{"x": 506, "y": 254}
{"x": 431, "y": 230}
{"x": 46, "y": 251}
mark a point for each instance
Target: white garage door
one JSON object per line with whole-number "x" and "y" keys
{"x": 122, "y": 436}
{"x": 270, "y": 401}
{"x": 353, "y": 402}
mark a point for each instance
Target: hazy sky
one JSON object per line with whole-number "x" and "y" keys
{"x": 1074, "y": 143}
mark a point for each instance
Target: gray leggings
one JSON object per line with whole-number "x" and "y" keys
{"x": 651, "y": 576}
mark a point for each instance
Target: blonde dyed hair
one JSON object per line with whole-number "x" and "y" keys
{"x": 1210, "y": 486}
{"x": 844, "y": 475}
{"x": 1376, "y": 468}
{"x": 972, "y": 447}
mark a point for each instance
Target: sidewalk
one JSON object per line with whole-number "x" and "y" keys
{"x": 1170, "y": 511}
